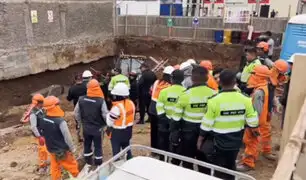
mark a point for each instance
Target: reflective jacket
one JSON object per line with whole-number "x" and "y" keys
{"x": 248, "y": 69}
{"x": 117, "y": 79}
{"x": 227, "y": 114}
{"x": 157, "y": 87}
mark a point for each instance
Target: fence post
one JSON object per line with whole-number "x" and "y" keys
{"x": 146, "y": 20}
{"x": 126, "y": 19}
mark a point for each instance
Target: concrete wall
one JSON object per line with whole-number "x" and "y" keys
{"x": 81, "y": 31}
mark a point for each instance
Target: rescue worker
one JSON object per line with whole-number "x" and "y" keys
{"x": 186, "y": 67}
{"x": 284, "y": 98}
{"x": 121, "y": 119}
{"x": 157, "y": 87}
{"x": 145, "y": 82}
{"x": 260, "y": 97}
{"x": 91, "y": 112}
{"x": 223, "y": 124}
{"x": 252, "y": 61}
{"x": 271, "y": 43}
{"x": 36, "y": 116}
{"x": 262, "y": 53}
{"x": 188, "y": 114}
{"x": 165, "y": 107}
{"x": 117, "y": 78}
{"x": 76, "y": 91}
{"x": 134, "y": 87}
{"x": 177, "y": 66}
{"x": 211, "y": 82}
{"x": 58, "y": 140}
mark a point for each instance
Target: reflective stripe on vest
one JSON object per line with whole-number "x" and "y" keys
{"x": 264, "y": 113}
{"x": 157, "y": 87}
{"x": 127, "y": 114}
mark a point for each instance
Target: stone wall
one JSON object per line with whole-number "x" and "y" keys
{"x": 81, "y": 31}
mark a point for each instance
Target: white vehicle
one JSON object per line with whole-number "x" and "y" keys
{"x": 148, "y": 168}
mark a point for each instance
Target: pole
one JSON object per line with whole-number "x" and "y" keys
{"x": 257, "y": 7}
{"x": 289, "y": 11}
{"x": 126, "y": 19}
{"x": 114, "y": 17}
{"x": 146, "y": 19}
{"x": 170, "y": 28}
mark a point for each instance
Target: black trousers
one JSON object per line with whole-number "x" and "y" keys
{"x": 154, "y": 131}
{"x": 117, "y": 146}
{"x": 189, "y": 147}
{"x": 144, "y": 103}
{"x": 226, "y": 159}
{"x": 88, "y": 154}
{"x": 163, "y": 141}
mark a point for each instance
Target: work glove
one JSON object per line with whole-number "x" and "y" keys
{"x": 108, "y": 132}
{"x": 41, "y": 141}
{"x": 175, "y": 138}
{"x": 255, "y": 132}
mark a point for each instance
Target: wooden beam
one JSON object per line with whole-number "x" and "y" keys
{"x": 297, "y": 94}
{"x": 289, "y": 158}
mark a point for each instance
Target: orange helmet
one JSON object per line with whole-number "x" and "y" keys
{"x": 206, "y": 64}
{"x": 281, "y": 66}
{"x": 37, "y": 98}
{"x": 177, "y": 66}
{"x": 51, "y": 102}
{"x": 262, "y": 70}
{"x": 263, "y": 45}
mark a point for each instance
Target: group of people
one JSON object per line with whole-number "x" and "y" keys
{"x": 194, "y": 110}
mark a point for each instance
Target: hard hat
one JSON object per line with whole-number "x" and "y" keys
{"x": 92, "y": 84}
{"x": 184, "y": 65}
{"x": 262, "y": 70}
{"x": 168, "y": 70}
{"x": 206, "y": 64}
{"x": 87, "y": 74}
{"x": 50, "y": 102}
{"x": 281, "y": 65}
{"x": 177, "y": 66}
{"x": 120, "y": 89}
{"x": 191, "y": 61}
{"x": 37, "y": 98}
{"x": 263, "y": 45}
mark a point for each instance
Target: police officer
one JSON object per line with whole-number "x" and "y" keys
{"x": 157, "y": 87}
{"x": 121, "y": 119}
{"x": 223, "y": 124}
{"x": 36, "y": 116}
{"x": 252, "y": 61}
{"x": 117, "y": 78}
{"x": 58, "y": 140}
{"x": 188, "y": 114}
{"x": 165, "y": 107}
{"x": 91, "y": 111}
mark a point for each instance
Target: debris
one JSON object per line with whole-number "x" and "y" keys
{"x": 13, "y": 164}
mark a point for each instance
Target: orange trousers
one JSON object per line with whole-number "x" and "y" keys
{"x": 42, "y": 155}
{"x": 251, "y": 143}
{"x": 69, "y": 164}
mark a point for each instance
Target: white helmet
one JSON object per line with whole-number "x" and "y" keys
{"x": 191, "y": 61}
{"x": 184, "y": 65}
{"x": 168, "y": 70}
{"x": 87, "y": 74}
{"x": 121, "y": 89}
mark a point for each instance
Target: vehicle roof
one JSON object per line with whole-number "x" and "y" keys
{"x": 140, "y": 168}
{"x": 299, "y": 19}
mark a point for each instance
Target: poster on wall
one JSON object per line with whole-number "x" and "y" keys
{"x": 34, "y": 18}
{"x": 237, "y": 14}
{"x": 261, "y": 1}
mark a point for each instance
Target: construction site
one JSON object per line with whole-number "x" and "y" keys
{"x": 44, "y": 54}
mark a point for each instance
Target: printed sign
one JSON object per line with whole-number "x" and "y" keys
{"x": 169, "y": 22}
{"x": 50, "y": 16}
{"x": 34, "y": 17}
{"x": 195, "y": 21}
{"x": 237, "y": 14}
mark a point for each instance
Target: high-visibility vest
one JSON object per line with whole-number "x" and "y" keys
{"x": 248, "y": 69}
{"x": 127, "y": 114}
{"x": 157, "y": 87}
{"x": 264, "y": 113}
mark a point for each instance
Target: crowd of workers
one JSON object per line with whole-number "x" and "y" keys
{"x": 194, "y": 110}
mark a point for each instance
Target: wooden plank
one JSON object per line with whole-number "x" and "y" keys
{"x": 291, "y": 154}
{"x": 297, "y": 94}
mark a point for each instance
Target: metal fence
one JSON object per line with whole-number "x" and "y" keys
{"x": 183, "y": 27}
